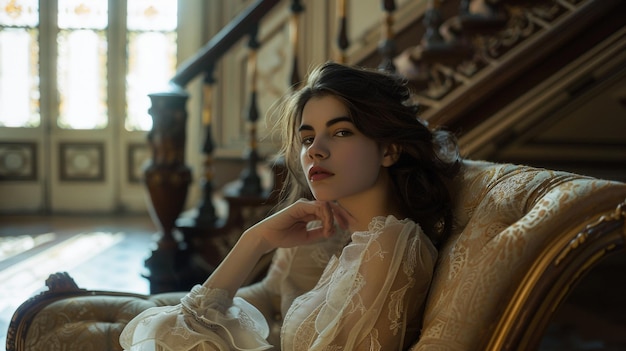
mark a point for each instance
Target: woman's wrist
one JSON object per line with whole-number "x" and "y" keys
{"x": 238, "y": 264}
{"x": 255, "y": 241}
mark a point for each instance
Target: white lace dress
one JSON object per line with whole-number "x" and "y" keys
{"x": 364, "y": 291}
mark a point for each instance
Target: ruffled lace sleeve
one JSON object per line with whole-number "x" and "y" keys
{"x": 206, "y": 319}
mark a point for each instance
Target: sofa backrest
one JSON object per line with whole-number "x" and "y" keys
{"x": 507, "y": 217}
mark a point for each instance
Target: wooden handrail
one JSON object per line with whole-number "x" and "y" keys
{"x": 222, "y": 41}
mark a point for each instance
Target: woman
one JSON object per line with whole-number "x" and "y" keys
{"x": 366, "y": 205}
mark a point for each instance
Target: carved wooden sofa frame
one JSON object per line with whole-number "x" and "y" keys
{"x": 524, "y": 238}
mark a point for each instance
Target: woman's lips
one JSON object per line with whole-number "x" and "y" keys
{"x": 319, "y": 173}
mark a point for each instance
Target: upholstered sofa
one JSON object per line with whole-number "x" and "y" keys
{"x": 524, "y": 238}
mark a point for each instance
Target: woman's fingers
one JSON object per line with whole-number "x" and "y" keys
{"x": 317, "y": 233}
{"x": 326, "y": 214}
{"x": 328, "y": 219}
{"x": 342, "y": 216}
{"x": 318, "y": 215}
{"x": 303, "y": 222}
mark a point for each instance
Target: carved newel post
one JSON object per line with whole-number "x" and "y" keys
{"x": 167, "y": 180}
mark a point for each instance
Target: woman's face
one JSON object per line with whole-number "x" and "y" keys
{"x": 337, "y": 159}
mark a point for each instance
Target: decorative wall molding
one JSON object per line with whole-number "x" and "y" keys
{"x": 137, "y": 154}
{"x": 81, "y": 161}
{"x": 18, "y": 161}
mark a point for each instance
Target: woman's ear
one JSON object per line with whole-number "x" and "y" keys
{"x": 391, "y": 155}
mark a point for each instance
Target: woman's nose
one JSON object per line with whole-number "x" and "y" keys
{"x": 317, "y": 150}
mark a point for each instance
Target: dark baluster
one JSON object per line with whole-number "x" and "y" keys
{"x": 167, "y": 180}
{"x": 432, "y": 20}
{"x": 206, "y": 210}
{"x": 410, "y": 65}
{"x": 448, "y": 50}
{"x": 202, "y": 222}
{"x": 251, "y": 182}
{"x": 387, "y": 46}
{"x": 342, "y": 40}
{"x": 481, "y": 17}
{"x": 205, "y": 217}
{"x": 296, "y": 9}
{"x": 201, "y": 226}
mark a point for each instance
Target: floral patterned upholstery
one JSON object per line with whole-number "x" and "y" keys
{"x": 69, "y": 318}
{"x": 509, "y": 218}
{"x": 87, "y": 322}
{"x": 523, "y": 236}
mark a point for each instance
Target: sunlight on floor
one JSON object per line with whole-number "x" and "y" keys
{"x": 97, "y": 261}
{"x": 26, "y": 277}
{"x": 14, "y": 245}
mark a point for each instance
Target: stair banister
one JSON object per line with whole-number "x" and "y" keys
{"x": 217, "y": 46}
{"x": 167, "y": 178}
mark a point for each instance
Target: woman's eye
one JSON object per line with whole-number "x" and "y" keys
{"x": 343, "y": 133}
{"x": 307, "y": 140}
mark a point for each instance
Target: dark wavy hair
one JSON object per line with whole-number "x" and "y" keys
{"x": 380, "y": 106}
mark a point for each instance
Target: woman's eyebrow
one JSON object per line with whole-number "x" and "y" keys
{"x": 328, "y": 124}
{"x": 337, "y": 120}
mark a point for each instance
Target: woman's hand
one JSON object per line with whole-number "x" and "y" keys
{"x": 290, "y": 226}
{"x": 287, "y": 228}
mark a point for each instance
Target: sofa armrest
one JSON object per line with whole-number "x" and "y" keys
{"x": 66, "y": 314}
{"x": 524, "y": 239}
{"x": 554, "y": 274}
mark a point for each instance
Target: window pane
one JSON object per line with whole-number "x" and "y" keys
{"x": 75, "y": 14}
{"x": 151, "y": 64}
{"x": 81, "y": 71}
{"x": 19, "y": 66}
{"x": 22, "y": 13}
{"x": 151, "y": 56}
{"x": 82, "y": 79}
{"x": 156, "y": 15}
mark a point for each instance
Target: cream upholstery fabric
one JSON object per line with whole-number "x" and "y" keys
{"x": 88, "y": 322}
{"x": 506, "y": 216}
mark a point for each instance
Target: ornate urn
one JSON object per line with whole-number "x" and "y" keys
{"x": 167, "y": 180}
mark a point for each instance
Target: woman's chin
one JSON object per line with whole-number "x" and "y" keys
{"x": 323, "y": 197}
